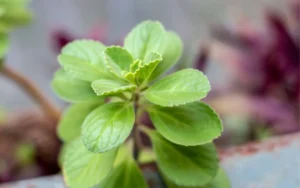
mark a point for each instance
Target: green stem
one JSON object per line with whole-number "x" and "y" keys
{"x": 145, "y": 129}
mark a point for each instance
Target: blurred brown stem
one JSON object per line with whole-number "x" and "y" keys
{"x": 138, "y": 145}
{"x": 32, "y": 90}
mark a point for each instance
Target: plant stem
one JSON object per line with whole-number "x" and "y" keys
{"x": 138, "y": 145}
{"x": 145, "y": 129}
{"x": 32, "y": 91}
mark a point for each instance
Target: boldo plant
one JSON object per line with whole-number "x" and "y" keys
{"x": 112, "y": 88}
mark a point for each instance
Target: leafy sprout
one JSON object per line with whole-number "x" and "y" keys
{"x": 111, "y": 88}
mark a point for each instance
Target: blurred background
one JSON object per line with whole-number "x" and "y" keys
{"x": 248, "y": 49}
{"x": 110, "y": 20}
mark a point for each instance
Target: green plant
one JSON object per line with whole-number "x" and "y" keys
{"x": 111, "y": 88}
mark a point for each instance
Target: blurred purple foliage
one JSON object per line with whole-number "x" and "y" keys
{"x": 59, "y": 37}
{"x": 265, "y": 65}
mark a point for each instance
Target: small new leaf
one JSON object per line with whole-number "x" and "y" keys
{"x": 192, "y": 124}
{"x": 69, "y": 126}
{"x": 141, "y": 75}
{"x": 118, "y": 59}
{"x": 185, "y": 166}
{"x": 82, "y": 168}
{"x": 181, "y": 87}
{"x": 135, "y": 65}
{"x": 108, "y": 126}
{"x": 72, "y": 89}
{"x": 109, "y": 87}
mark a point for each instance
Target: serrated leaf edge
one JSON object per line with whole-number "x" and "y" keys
{"x": 114, "y": 91}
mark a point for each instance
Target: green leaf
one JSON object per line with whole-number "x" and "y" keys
{"x": 72, "y": 89}
{"x": 125, "y": 175}
{"x": 153, "y": 56}
{"x": 109, "y": 87}
{"x": 130, "y": 76}
{"x": 108, "y": 126}
{"x": 220, "y": 181}
{"x": 135, "y": 65}
{"x": 124, "y": 151}
{"x": 82, "y": 168}
{"x": 15, "y": 3}
{"x": 81, "y": 69}
{"x": 143, "y": 73}
{"x": 145, "y": 38}
{"x": 87, "y": 51}
{"x": 4, "y": 28}
{"x": 118, "y": 59}
{"x": 185, "y": 166}
{"x": 3, "y": 45}
{"x": 69, "y": 126}
{"x": 15, "y": 17}
{"x": 182, "y": 87}
{"x": 171, "y": 52}
{"x": 192, "y": 124}
{"x": 13, "y": 13}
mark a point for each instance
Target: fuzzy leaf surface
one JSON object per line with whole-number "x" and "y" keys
{"x": 109, "y": 87}
{"x": 142, "y": 74}
{"x": 82, "y": 69}
{"x": 179, "y": 88}
{"x": 118, "y": 59}
{"x": 145, "y": 38}
{"x": 108, "y": 126}
{"x": 83, "y": 168}
{"x": 191, "y": 124}
{"x": 185, "y": 166}
{"x": 69, "y": 126}
{"x": 72, "y": 89}
{"x": 87, "y": 51}
{"x": 171, "y": 52}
